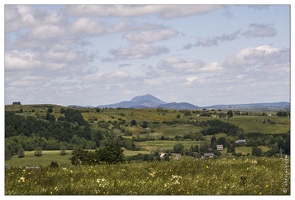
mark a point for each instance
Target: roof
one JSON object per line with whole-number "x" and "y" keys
{"x": 208, "y": 154}
{"x": 239, "y": 141}
{"x": 162, "y": 155}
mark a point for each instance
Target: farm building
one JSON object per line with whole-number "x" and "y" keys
{"x": 176, "y": 156}
{"x": 162, "y": 155}
{"x": 208, "y": 155}
{"x": 240, "y": 142}
{"x": 219, "y": 147}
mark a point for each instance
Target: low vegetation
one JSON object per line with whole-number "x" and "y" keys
{"x": 243, "y": 176}
{"x": 117, "y": 151}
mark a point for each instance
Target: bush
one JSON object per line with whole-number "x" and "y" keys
{"x": 38, "y": 151}
{"x": 53, "y": 164}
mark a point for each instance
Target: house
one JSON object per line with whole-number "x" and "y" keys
{"x": 176, "y": 156}
{"x": 162, "y": 155}
{"x": 240, "y": 142}
{"x": 208, "y": 155}
{"x": 220, "y": 147}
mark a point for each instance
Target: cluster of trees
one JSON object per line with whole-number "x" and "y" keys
{"x": 111, "y": 154}
{"x": 69, "y": 130}
{"x": 218, "y": 126}
{"x": 283, "y": 113}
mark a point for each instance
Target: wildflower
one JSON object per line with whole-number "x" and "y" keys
{"x": 207, "y": 166}
{"x": 50, "y": 192}
{"x": 22, "y": 179}
{"x": 260, "y": 193}
{"x": 266, "y": 185}
{"x": 56, "y": 189}
{"x": 94, "y": 170}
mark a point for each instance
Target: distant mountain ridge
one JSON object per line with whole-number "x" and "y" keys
{"x": 150, "y": 101}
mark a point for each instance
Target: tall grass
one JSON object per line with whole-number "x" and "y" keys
{"x": 244, "y": 175}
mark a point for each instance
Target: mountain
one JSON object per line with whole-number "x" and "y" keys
{"x": 254, "y": 106}
{"x": 180, "y": 106}
{"x": 145, "y": 101}
{"x": 147, "y": 97}
{"x": 150, "y": 101}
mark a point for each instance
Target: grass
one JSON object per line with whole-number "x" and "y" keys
{"x": 54, "y": 155}
{"x": 242, "y": 176}
{"x": 43, "y": 160}
{"x": 255, "y": 124}
{"x": 163, "y": 145}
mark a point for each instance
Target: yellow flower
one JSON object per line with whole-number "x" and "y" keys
{"x": 266, "y": 185}
{"x": 22, "y": 179}
{"x": 260, "y": 193}
{"x": 50, "y": 192}
{"x": 207, "y": 166}
{"x": 94, "y": 170}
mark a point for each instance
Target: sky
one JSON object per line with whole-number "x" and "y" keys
{"x": 204, "y": 54}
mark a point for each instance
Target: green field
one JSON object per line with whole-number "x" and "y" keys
{"x": 49, "y": 156}
{"x": 255, "y": 124}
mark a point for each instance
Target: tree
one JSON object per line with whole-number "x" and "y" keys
{"x": 63, "y": 150}
{"x": 133, "y": 122}
{"x": 144, "y": 124}
{"x": 38, "y": 151}
{"x": 62, "y": 111}
{"x": 222, "y": 140}
{"x": 230, "y": 113}
{"x": 50, "y": 109}
{"x": 213, "y": 142}
{"x": 21, "y": 153}
{"x": 256, "y": 151}
{"x": 111, "y": 154}
{"x": 179, "y": 148}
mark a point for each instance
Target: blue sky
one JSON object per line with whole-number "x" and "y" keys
{"x": 101, "y": 54}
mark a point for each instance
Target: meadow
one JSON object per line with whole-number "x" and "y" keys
{"x": 224, "y": 175}
{"x": 227, "y": 176}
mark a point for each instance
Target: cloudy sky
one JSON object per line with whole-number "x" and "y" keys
{"x": 102, "y": 54}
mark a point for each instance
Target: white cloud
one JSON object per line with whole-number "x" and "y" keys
{"x": 151, "y": 36}
{"x": 258, "y": 55}
{"x": 260, "y": 30}
{"x": 17, "y": 61}
{"x": 48, "y": 60}
{"x": 138, "y": 51}
{"x": 111, "y": 77}
{"x": 163, "y": 11}
{"x": 189, "y": 80}
{"x": 188, "y": 66}
{"x": 23, "y": 16}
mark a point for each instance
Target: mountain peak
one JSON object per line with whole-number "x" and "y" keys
{"x": 147, "y": 97}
